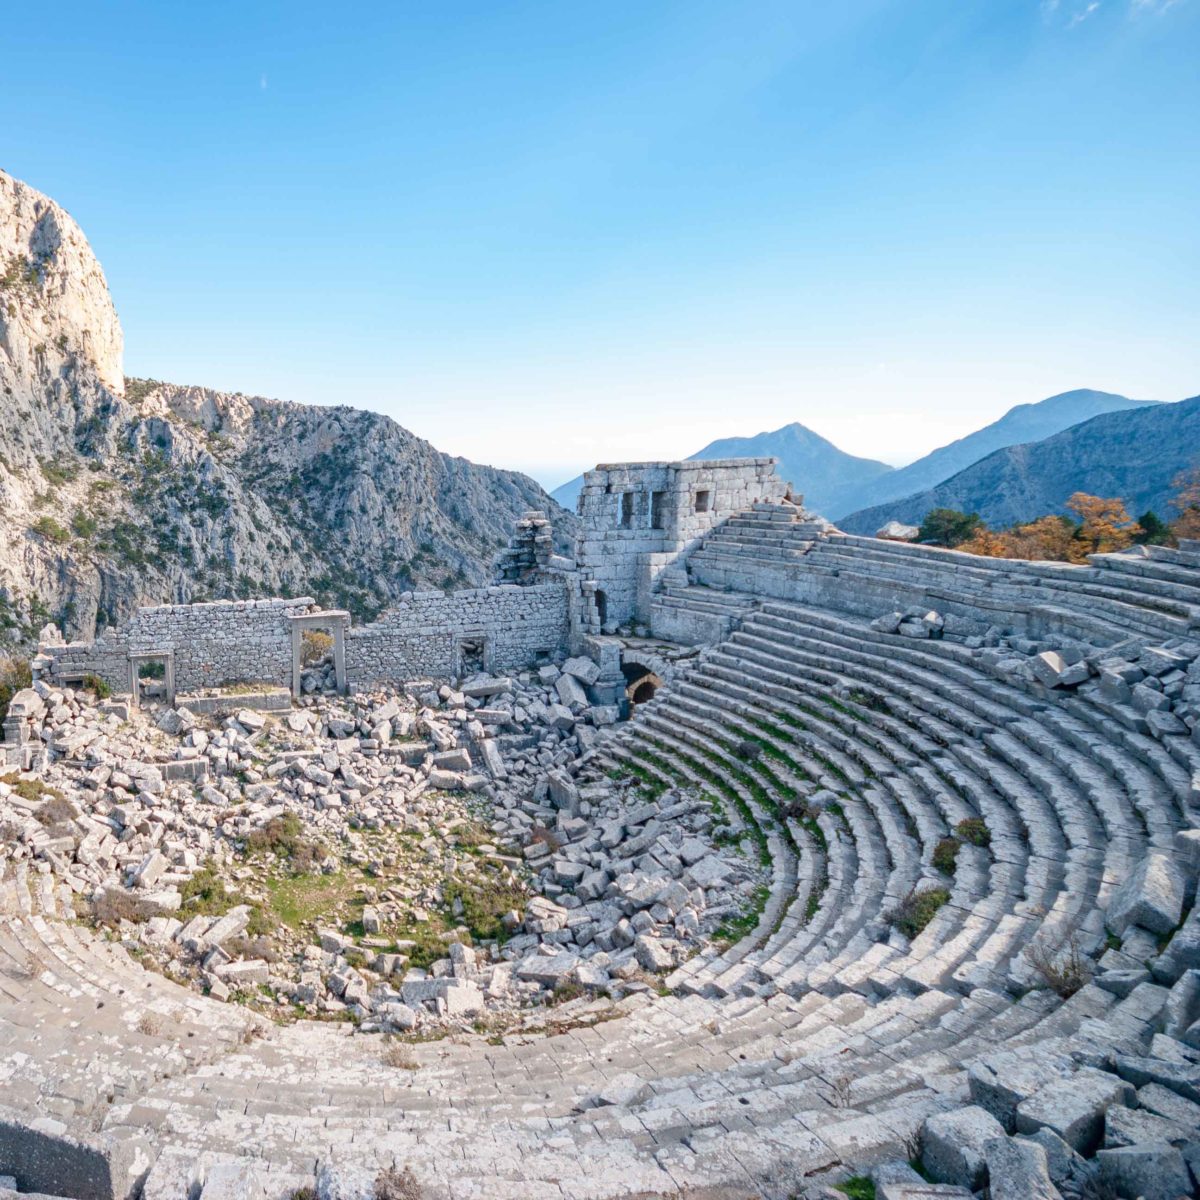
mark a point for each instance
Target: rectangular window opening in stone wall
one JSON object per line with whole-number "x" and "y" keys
{"x": 703, "y": 501}
{"x": 626, "y": 509}
{"x": 658, "y": 502}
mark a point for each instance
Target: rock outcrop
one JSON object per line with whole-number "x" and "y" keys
{"x": 115, "y": 493}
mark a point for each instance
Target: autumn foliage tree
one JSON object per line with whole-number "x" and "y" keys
{"x": 1187, "y": 503}
{"x": 1104, "y": 525}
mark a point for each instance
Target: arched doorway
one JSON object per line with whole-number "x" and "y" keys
{"x": 640, "y": 683}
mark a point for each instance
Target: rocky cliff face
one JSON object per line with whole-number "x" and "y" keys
{"x": 116, "y": 493}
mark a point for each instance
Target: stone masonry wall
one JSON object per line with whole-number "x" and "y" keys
{"x": 424, "y": 635}
{"x": 230, "y": 641}
{"x": 637, "y": 518}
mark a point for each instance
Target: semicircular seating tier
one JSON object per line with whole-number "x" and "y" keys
{"x": 824, "y": 1038}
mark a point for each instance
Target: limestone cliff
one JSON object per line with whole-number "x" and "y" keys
{"x": 115, "y": 493}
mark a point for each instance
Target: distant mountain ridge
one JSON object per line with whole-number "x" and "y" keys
{"x": 1135, "y": 454}
{"x": 835, "y": 483}
{"x": 1024, "y": 423}
{"x": 813, "y": 464}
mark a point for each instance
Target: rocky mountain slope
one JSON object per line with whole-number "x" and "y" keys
{"x": 1024, "y": 423}
{"x": 1134, "y": 454}
{"x": 814, "y": 465}
{"x": 115, "y": 493}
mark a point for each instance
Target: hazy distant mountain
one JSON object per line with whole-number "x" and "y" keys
{"x": 1025, "y": 423}
{"x": 815, "y": 466}
{"x": 1134, "y": 454}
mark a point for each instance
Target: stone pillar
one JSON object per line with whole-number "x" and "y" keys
{"x": 339, "y": 656}
{"x": 296, "y": 651}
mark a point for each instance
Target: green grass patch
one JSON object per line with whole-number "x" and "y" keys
{"x": 735, "y": 928}
{"x": 299, "y": 900}
{"x": 484, "y": 903}
{"x": 858, "y": 1188}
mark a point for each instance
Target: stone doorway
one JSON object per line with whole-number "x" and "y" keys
{"x": 333, "y": 623}
{"x": 152, "y": 672}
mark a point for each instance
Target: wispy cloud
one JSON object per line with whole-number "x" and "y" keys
{"x": 1152, "y": 6}
{"x": 262, "y": 82}
{"x": 1070, "y": 13}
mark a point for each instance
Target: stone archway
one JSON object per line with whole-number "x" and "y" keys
{"x": 641, "y": 683}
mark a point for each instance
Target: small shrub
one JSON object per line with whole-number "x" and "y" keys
{"x": 281, "y": 836}
{"x": 973, "y": 830}
{"x": 917, "y": 909}
{"x": 58, "y": 810}
{"x": 97, "y": 686}
{"x": 304, "y": 1193}
{"x": 83, "y": 525}
{"x": 539, "y": 833}
{"x": 398, "y": 1184}
{"x": 31, "y": 789}
{"x": 150, "y": 1024}
{"x": 945, "y": 855}
{"x": 747, "y": 750}
{"x": 1063, "y": 967}
{"x": 51, "y": 530}
{"x": 15, "y": 674}
{"x": 114, "y": 906}
{"x": 315, "y": 646}
{"x": 395, "y": 1054}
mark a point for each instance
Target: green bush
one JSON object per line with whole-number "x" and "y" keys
{"x": 917, "y": 909}
{"x": 82, "y": 525}
{"x": 15, "y": 674}
{"x": 51, "y": 530}
{"x": 945, "y": 855}
{"x": 97, "y": 686}
{"x": 949, "y": 527}
{"x": 973, "y": 830}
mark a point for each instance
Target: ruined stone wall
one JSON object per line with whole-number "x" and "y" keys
{"x": 432, "y": 634}
{"x": 637, "y": 518}
{"x": 230, "y": 641}
{"x": 426, "y": 634}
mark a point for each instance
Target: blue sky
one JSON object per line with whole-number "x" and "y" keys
{"x": 548, "y": 234}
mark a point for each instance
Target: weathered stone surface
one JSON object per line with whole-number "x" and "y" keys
{"x": 1152, "y": 896}
{"x": 1154, "y": 1171}
{"x": 1074, "y": 1107}
{"x": 953, "y": 1145}
{"x": 1017, "y": 1169}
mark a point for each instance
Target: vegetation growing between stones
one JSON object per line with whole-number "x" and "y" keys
{"x": 860, "y": 1187}
{"x": 15, "y": 675}
{"x": 914, "y": 913}
{"x": 945, "y": 855}
{"x": 1063, "y": 967}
